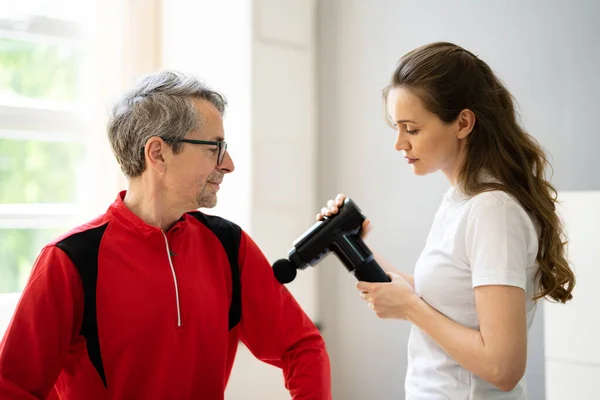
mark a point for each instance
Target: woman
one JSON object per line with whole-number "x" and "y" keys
{"x": 496, "y": 244}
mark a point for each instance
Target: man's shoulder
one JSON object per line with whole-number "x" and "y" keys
{"x": 90, "y": 229}
{"x": 216, "y": 223}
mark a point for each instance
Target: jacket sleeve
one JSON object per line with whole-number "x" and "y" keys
{"x": 277, "y": 331}
{"x": 48, "y": 315}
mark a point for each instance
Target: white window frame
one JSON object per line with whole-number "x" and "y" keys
{"x": 27, "y": 119}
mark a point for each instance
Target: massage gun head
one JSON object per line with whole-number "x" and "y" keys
{"x": 284, "y": 271}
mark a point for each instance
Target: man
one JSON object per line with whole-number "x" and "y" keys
{"x": 149, "y": 300}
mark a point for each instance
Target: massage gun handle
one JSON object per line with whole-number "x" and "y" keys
{"x": 371, "y": 272}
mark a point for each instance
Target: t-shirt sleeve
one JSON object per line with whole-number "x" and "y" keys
{"x": 501, "y": 241}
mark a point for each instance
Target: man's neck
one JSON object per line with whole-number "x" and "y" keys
{"x": 150, "y": 205}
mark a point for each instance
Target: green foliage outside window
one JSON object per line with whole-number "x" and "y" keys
{"x": 18, "y": 250}
{"x": 35, "y": 171}
{"x": 39, "y": 70}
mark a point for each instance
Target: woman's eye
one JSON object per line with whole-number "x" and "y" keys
{"x": 413, "y": 132}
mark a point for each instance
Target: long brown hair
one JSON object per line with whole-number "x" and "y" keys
{"x": 449, "y": 79}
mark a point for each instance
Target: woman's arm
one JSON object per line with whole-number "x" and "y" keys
{"x": 389, "y": 268}
{"x": 497, "y": 352}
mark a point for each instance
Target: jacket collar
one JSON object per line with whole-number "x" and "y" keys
{"x": 121, "y": 213}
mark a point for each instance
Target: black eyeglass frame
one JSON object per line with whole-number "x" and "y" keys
{"x": 221, "y": 144}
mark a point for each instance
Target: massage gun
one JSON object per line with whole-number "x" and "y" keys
{"x": 340, "y": 234}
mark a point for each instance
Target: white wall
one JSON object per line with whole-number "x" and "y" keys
{"x": 284, "y": 132}
{"x": 572, "y": 331}
{"x": 206, "y": 39}
{"x": 547, "y": 54}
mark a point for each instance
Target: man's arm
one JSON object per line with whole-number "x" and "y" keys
{"x": 277, "y": 331}
{"x": 48, "y": 315}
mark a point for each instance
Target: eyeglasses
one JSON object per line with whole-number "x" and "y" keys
{"x": 221, "y": 144}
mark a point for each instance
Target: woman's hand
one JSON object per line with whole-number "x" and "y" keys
{"x": 395, "y": 299}
{"x": 333, "y": 207}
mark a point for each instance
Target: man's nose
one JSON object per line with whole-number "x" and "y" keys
{"x": 227, "y": 165}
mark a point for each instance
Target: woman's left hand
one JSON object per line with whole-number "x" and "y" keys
{"x": 389, "y": 300}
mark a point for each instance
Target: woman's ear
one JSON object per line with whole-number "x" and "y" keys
{"x": 466, "y": 121}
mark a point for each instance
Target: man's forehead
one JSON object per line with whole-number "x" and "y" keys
{"x": 211, "y": 122}
{"x": 206, "y": 133}
{"x": 206, "y": 107}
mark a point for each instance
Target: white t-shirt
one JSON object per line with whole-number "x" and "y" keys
{"x": 488, "y": 239}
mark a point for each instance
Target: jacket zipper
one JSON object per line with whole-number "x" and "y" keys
{"x": 174, "y": 281}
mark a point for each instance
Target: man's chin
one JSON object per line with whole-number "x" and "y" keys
{"x": 207, "y": 201}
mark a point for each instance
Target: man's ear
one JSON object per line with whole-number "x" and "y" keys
{"x": 466, "y": 121}
{"x": 157, "y": 153}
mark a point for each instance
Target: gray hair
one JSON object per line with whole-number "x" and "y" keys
{"x": 162, "y": 105}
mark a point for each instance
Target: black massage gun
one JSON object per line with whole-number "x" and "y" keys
{"x": 339, "y": 233}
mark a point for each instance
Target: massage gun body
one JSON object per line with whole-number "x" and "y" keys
{"x": 339, "y": 234}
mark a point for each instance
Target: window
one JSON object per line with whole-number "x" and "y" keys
{"x": 42, "y": 142}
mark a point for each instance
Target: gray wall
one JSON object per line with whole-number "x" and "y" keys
{"x": 547, "y": 54}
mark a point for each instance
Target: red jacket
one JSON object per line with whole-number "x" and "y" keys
{"x": 118, "y": 309}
